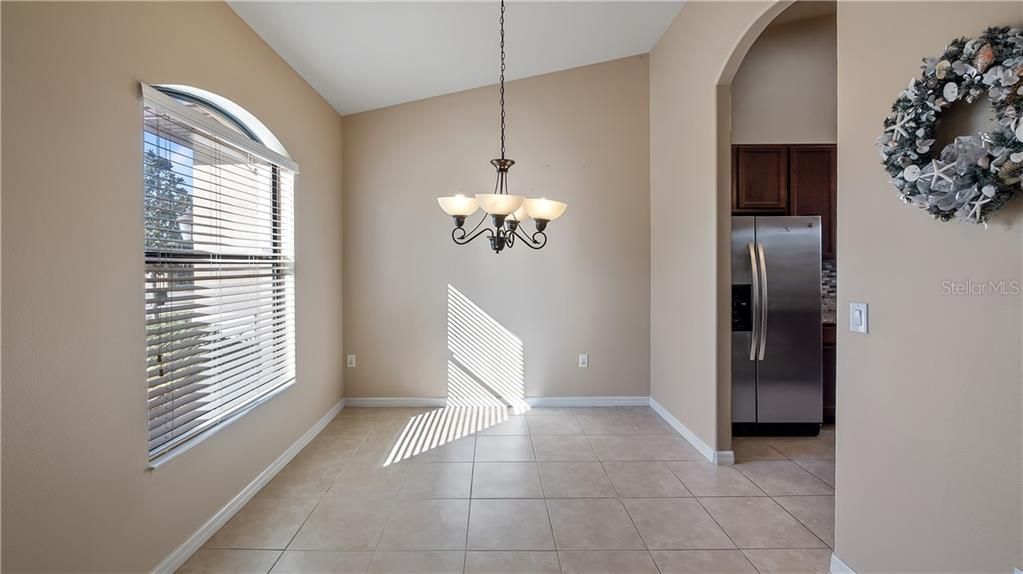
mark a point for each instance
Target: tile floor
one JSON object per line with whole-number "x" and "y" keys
{"x": 590, "y": 490}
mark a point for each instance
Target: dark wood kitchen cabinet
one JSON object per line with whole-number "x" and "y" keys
{"x": 812, "y": 188}
{"x": 760, "y": 178}
{"x": 787, "y": 180}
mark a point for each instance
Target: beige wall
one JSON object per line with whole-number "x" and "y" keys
{"x": 78, "y": 495}
{"x": 689, "y": 282}
{"x": 785, "y": 89}
{"x": 929, "y": 445}
{"x": 929, "y": 402}
{"x": 580, "y": 136}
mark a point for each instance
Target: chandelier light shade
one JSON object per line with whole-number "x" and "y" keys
{"x": 506, "y": 212}
{"x": 459, "y": 205}
{"x": 544, "y": 209}
{"x": 500, "y": 203}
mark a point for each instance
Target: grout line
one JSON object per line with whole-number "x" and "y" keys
{"x": 722, "y": 528}
{"x": 801, "y": 523}
{"x": 324, "y": 494}
{"x": 468, "y": 514}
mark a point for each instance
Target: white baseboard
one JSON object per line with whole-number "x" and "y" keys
{"x": 175, "y": 559}
{"x": 625, "y": 401}
{"x": 395, "y": 402}
{"x": 725, "y": 457}
{"x": 839, "y": 567}
{"x": 717, "y": 457}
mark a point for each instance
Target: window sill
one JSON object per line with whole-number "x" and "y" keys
{"x": 177, "y": 451}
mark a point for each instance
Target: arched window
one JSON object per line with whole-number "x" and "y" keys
{"x": 218, "y": 206}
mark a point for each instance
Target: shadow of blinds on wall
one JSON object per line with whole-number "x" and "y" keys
{"x": 219, "y": 274}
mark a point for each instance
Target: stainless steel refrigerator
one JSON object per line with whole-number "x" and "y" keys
{"x": 776, "y": 325}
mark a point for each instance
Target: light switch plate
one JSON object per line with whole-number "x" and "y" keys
{"x": 584, "y": 361}
{"x": 351, "y": 361}
{"x": 858, "y": 317}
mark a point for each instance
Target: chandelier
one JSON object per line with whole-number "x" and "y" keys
{"x": 507, "y": 212}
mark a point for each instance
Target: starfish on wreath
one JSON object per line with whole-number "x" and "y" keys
{"x": 939, "y": 172}
{"x": 898, "y": 129}
{"x": 975, "y": 212}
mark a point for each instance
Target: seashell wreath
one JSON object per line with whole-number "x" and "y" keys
{"x": 975, "y": 175}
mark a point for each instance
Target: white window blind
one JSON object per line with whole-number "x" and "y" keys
{"x": 219, "y": 273}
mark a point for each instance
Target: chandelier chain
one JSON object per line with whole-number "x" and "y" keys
{"x": 502, "y": 79}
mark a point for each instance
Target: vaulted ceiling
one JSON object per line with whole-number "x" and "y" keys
{"x": 366, "y": 55}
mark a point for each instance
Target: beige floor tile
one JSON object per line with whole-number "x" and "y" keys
{"x": 374, "y": 451}
{"x": 759, "y": 523}
{"x": 329, "y": 449}
{"x": 391, "y": 427}
{"x": 782, "y": 477}
{"x": 352, "y": 425}
{"x": 608, "y": 562}
{"x": 219, "y": 561}
{"x": 504, "y": 449}
{"x": 509, "y": 525}
{"x": 427, "y": 525}
{"x": 649, "y": 424}
{"x": 644, "y": 479}
{"x": 815, "y": 512}
{"x": 563, "y": 448}
{"x": 301, "y": 478}
{"x": 748, "y": 448}
{"x": 708, "y": 479}
{"x": 605, "y": 424}
{"x": 263, "y": 523}
{"x": 702, "y": 562}
{"x": 506, "y": 480}
{"x": 827, "y": 434}
{"x": 624, "y": 448}
{"x": 344, "y": 524}
{"x": 791, "y": 561}
{"x": 555, "y": 424}
{"x": 821, "y": 468}
{"x": 322, "y": 562}
{"x": 515, "y": 425}
{"x": 437, "y": 480}
{"x": 458, "y": 450}
{"x": 419, "y": 562}
{"x": 575, "y": 480}
{"x": 356, "y": 481}
{"x": 496, "y": 562}
{"x": 675, "y": 524}
{"x": 593, "y": 524}
{"x": 803, "y": 447}
{"x": 674, "y": 447}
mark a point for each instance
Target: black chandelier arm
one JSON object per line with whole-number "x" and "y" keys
{"x": 536, "y": 241}
{"x": 460, "y": 236}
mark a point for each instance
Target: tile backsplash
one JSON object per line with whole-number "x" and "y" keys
{"x": 829, "y": 290}
{"x": 829, "y": 279}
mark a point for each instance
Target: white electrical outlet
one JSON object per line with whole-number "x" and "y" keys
{"x": 584, "y": 361}
{"x": 858, "y": 317}
{"x": 351, "y": 361}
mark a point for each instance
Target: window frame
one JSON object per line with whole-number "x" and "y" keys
{"x": 164, "y": 100}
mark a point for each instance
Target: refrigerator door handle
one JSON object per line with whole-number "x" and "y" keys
{"x": 755, "y": 338}
{"x": 763, "y": 300}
